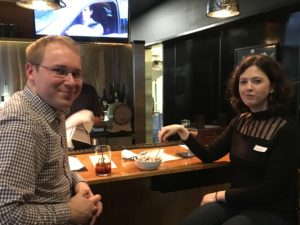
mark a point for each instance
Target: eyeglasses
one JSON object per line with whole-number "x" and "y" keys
{"x": 63, "y": 72}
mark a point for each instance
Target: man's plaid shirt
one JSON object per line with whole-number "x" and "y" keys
{"x": 35, "y": 180}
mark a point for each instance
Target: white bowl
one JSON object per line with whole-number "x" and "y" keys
{"x": 144, "y": 162}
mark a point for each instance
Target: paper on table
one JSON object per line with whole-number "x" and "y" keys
{"x": 95, "y": 158}
{"x": 167, "y": 157}
{"x": 184, "y": 146}
{"x": 163, "y": 155}
{"x": 74, "y": 163}
{"x": 126, "y": 154}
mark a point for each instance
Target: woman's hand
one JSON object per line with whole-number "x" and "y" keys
{"x": 218, "y": 196}
{"x": 210, "y": 197}
{"x": 170, "y": 130}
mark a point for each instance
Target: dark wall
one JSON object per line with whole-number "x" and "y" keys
{"x": 190, "y": 69}
{"x": 197, "y": 67}
{"x": 173, "y": 18}
{"x": 22, "y": 18}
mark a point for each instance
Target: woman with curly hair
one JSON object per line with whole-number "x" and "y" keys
{"x": 264, "y": 149}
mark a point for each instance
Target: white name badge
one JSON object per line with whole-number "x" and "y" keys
{"x": 259, "y": 148}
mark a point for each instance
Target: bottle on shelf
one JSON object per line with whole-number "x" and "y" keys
{"x": 104, "y": 101}
{"x": 5, "y": 95}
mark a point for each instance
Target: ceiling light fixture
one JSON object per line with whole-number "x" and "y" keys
{"x": 222, "y": 8}
{"x": 41, "y": 4}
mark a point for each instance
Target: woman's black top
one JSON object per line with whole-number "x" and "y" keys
{"x": 264, "y": 152}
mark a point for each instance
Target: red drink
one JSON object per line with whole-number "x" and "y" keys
{"x": 103, "y": 164}
{"x": 103, "y": 168}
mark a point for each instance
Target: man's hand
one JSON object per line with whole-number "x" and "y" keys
{"x": 87, "y": 209}
{"x": 82, "y": 208}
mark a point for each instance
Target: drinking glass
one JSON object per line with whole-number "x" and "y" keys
{"x": 103, "y": 164}
{"x": 186, "y": 123}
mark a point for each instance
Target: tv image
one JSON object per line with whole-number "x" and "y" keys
{"x": 86, "y": 20}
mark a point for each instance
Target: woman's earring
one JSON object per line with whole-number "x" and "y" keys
{"x": 271, "y": 95}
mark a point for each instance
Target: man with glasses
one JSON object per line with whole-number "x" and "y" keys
{"x": 36, "y": 184}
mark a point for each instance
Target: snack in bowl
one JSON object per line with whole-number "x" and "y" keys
{"x": 147, "y": 162}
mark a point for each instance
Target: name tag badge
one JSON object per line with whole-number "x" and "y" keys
{"x": 259, "y": 148}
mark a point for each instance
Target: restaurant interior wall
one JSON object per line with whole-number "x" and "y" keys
{"x": 24, "y": 22}
{"x": 103, "y": 66}
{"x": 197, "y": 66}
{"x": 22, "y": 18}
{"x": 119, "y": 60}
{"x": 173, "y": 18}
{"x": 190, "y": 76}
{"x": 260, "y": 31}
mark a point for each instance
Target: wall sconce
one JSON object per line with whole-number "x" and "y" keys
{"x": 222, "y": 8}
{"x": 41, "y": 4}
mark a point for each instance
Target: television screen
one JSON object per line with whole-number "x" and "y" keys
{"x": 86, "y": 20}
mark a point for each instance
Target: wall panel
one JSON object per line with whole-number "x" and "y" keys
{"x": 200, "y": 65}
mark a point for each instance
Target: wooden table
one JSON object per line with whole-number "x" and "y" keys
{"x": 134, "y": 197}
{"x": 127, "y": 170}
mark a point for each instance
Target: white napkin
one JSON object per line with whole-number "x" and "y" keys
{"x": 79, "y": 126}
{"x": 74, "y": 163}
{"x": 126, "y": 154}
{"x": 164, "y": 157}
{"x": 167, "y": 157}
{"x": 184, "y": 146}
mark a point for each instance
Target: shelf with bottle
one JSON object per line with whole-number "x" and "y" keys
{"x": 5, "y": 96}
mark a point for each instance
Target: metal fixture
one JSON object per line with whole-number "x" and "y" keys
{"x": 222, "y": 8}
{"x": 41, "y": 4}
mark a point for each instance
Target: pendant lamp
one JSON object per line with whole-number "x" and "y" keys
{"x": 41, "y": 4}
{"x": 222, "y": 8}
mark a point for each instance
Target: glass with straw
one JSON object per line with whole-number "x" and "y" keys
{"x": 103, "y": 164}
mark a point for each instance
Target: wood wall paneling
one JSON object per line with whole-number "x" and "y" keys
{"x": 21, "y": 17}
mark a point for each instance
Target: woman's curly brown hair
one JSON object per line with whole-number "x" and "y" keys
{"x": 279, "y": 99}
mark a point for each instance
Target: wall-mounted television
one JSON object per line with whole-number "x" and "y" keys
{"x": 86, "y": 20}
